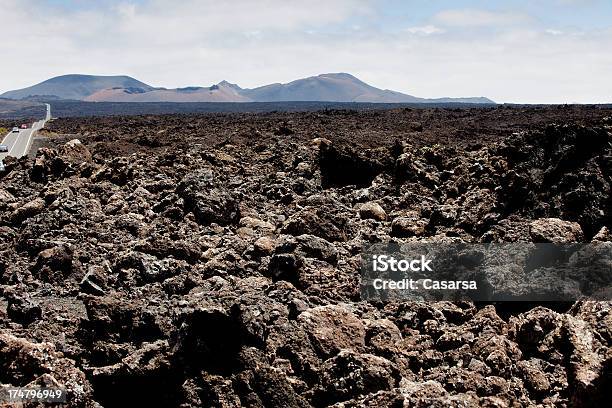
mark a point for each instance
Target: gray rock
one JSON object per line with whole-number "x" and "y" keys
{"x": 555, "y": 230}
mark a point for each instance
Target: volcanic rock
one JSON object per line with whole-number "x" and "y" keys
{"x": 373, "y": 211}
{"x": 408, "y": 226}
{"x": 555, "y": 230}
{"x": 26, "y": 362}
{"x": 22, "y": 309}
{"x": 218, "y": 264}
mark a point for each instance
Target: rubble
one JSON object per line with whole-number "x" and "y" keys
{"x": 214, "y": 260}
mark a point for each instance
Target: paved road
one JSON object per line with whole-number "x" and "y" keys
{"x": 19, "y": 143}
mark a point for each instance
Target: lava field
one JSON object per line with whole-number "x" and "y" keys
{"x": 213, "y": 260}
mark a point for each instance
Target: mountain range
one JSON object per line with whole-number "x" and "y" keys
{"x": 334, "y": 87}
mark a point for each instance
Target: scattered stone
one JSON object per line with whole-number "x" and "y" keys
{"x": 372, "y": 210}
{"x": 350, "y": 374}
{"x": 28, "y": 210}
{"x": 603, "y": 235}
{"x": 54, "y": 264}
{"x": 404, "y": 227}
{"x": 333, "y": 328}
{"x": 23, "y": 310}
{"x": 265, "y": 245}
{"x": 256, "y": 224}
{"x": 555, "y": 230}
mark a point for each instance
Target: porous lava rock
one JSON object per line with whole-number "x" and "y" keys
{"x": 214, "y": 260}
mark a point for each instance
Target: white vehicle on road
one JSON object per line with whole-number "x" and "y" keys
{"x": 18, "y": 143}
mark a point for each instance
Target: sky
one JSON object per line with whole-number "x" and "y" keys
{"x": 519, "y": 51}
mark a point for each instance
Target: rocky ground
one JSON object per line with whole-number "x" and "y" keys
{"x": 214, "y": 260}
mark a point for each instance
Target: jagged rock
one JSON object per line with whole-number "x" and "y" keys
{"x": 218, "y": 264}
{"x": 382, "y": 335}
{"x": 371, "y": 210}
{"x": 28, "y": 210}
{"x": 6, "y": 197}
{"x": 350, "y": 374}
{"x": 143, "y": 370}
{"x": 318, "y": 222}
{"x": 432, "y": 394}
{"x": 534, "y": 376}
{"x": 333, "y": 328}
{"x": 409, "y": 167}
{"x": 265, "y": 245}
{"x": 531, "y": 329}
{"x": 75, "y": 152}
{"x": 555, "y": 230}
{"x": 511, "y": 229}
{"x": 603, "y": 235}
{"x": 585, "y": 365}
{"x": 478, "y": 210}
{"x": 444, "y": 215}
{"x": 208, "y": 202}
{"x": 23, "y": 310}
{"x": 409, "y": 226}
{"x": 315, "y": 247}
{"x": 254, "y": 223}
{"x": 113, "y": 317}
{"x": 54, "y": 264}
{"x": 343, "y": 167}
{"x": 26, "y": 362}
{"x": 139, "y": 268}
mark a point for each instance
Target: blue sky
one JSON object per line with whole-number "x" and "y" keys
{"x": 538, "y": 51}
{"x": 593, "y": 13}
{"x": 587, "y": 13}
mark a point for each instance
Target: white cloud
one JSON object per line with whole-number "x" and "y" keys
{"x": 424, "y": 30}
{"x": 552, "y": 31}
{"x": 480, "y": 18}
{"x": 170, "y": 43}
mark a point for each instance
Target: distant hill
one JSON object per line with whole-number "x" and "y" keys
{"x": 334, "y": 87}
{"x": 340, "y": 87}
{"x": 75, "y": 86}
{"x": 10, "y": 109}
{"x": 222, "y": 92}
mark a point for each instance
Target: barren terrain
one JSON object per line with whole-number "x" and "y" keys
{"x": 213, "y": 260}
